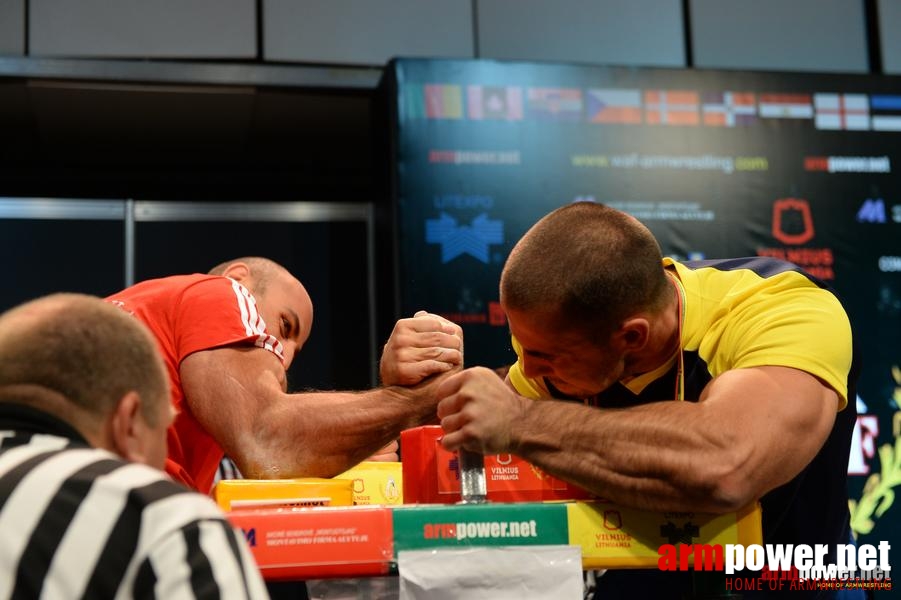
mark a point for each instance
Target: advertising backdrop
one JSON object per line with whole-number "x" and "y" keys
{"x": 716, "y": 163}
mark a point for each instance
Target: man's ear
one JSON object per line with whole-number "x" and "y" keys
{"x": 125, "y": 426}
{"x": 633, "y": 335}
{"x": 238, "y": 271}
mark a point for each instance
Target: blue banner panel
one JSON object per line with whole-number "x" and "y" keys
{"x": 716, "y": 163}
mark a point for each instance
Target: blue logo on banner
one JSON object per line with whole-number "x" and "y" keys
{"x": 464, "y": 239}
{"x": 872, "y": 211}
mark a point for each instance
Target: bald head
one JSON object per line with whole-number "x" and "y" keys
{"x": 281, "y": 299}
{"x": 261, "y": 270}
{"x": 585, "y": 264}
{"x": 79, "y": 352}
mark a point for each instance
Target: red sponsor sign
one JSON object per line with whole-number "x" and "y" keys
{"x": 431, "y": 474}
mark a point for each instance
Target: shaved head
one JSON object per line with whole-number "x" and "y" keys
{"x": 585, "y": 264}
{"x": 262, "y": 270}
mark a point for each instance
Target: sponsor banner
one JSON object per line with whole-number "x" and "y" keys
{"x": 665, "y": 211}
{"x": 703, "y": 162}
{"x": 376, "y": 482}
{"x": 432, "y": 474}
{"x": 848, "y": 164}
{"x": 475, "y": 157}
{"x": 767, "y": 168}
{"x": 518, "y": 524}
{"x": 613, "y": 536}
{"x": 349, "y": 541}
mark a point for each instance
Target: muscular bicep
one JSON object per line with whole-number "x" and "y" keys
{"x": 228, "y": 389}
{"x": 778, "y": 419}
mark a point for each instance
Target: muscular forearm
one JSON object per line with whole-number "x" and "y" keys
{"x": 654, "y": 457}
{"x": 238, "y": 397}
{"x": 738, "y": 441}
{"x": 321, "y": 434}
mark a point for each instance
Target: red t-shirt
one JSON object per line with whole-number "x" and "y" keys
{"x": 187, "y": 314}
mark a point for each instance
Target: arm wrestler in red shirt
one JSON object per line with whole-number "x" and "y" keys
{"x": 228, "y": 338}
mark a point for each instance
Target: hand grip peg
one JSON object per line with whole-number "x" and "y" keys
{"x": 472, "y": 477}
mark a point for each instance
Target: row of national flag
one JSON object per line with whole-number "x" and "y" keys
{"x": 652, "y": 107}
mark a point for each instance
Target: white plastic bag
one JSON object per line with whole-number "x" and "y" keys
{"x": 496, "y": 573}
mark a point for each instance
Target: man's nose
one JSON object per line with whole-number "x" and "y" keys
{"x": 289, "y": 349}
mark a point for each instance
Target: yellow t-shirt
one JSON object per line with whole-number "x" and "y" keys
{"x": 745, "y": 312}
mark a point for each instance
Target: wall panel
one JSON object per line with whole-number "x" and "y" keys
{"x": 890, "y": 35}
{"x": 801, "y": 35}
{"x": 614, "y": 32}
{"x": 12, "y": 27}
{"x": 365, "y": 32}
{"x": 133, "y": 28}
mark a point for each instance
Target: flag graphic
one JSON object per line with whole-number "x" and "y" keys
{"x": 497, "y": 103}
{"x": 886, "y": 111}
{"x": 729, "y": 109}
{"x": 556, "y": 104}
{"x": 443, "y": 101}
{"x": 841, "y": 111}
{"x": 613, "y": 106}
{"x": 671, "y": 107}
{"x": 412, "y": 103}
{"x": 785, "y": 106}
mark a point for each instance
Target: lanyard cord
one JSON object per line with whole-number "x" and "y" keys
{"x": 679, "y": 392}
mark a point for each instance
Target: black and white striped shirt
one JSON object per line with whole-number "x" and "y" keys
{"x": 80, "y": 522}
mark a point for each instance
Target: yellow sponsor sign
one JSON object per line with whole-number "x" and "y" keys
{"x": 613, "y": 536}
{"x": 376, "y": 482}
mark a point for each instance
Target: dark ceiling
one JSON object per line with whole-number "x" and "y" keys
{"x": 187, "y": 141}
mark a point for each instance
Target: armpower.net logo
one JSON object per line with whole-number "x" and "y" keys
{"x": 480, "y": 530}
{"x": 784, "y": 566}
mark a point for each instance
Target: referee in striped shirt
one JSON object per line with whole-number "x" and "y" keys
{"x": 85, "y": 511}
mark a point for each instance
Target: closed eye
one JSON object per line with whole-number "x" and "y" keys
{"x": 290, "y": 325}
{"x": 540, "y": 355}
